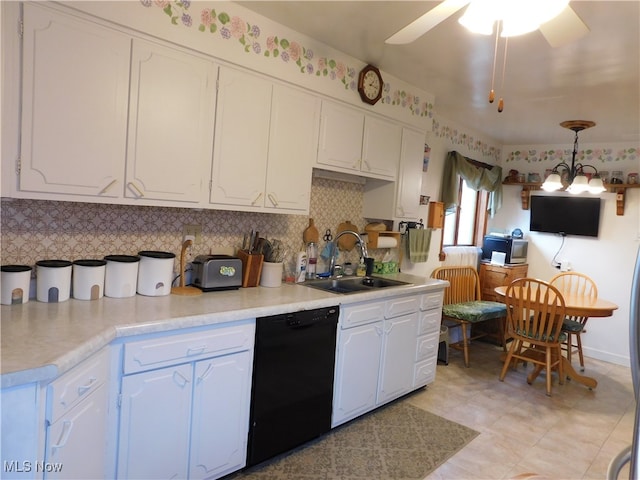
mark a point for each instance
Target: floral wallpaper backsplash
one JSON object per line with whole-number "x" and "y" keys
{"x": 250, "y": 38}
{"x": 35, "y": 230}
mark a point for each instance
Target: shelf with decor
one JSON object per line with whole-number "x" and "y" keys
{"x": 619, "y": 189}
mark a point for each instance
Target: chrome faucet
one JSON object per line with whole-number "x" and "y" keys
{"x": 363, "y": 249}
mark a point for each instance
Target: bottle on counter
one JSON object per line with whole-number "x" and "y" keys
{"x": 312, "y": 260}
{"x": 301, "y": 267}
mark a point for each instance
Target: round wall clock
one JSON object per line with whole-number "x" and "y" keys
{"x": 370, "y": 84}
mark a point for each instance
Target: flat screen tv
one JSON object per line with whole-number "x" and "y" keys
{"x": 565, "y": 215}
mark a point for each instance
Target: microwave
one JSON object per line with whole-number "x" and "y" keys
{"x": 515, "y": 249}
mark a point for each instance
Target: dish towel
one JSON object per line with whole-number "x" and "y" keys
{"x": 418, "y": 244}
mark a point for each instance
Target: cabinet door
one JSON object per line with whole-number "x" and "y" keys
{"x": 171, "y": 117}
{"x": 293, "y": 140}
{"x": 76, "y": 442}
{"x": 398, "y": 357}
{"x": 340, "y": 143}
{"x": 154, "y": 423}
{"x": 74, "y": 105}
{"x": 381, "y": 145}
{"x": 410, "y": 174}
{"x": 241, "y": 139}
{"x": 220, "y": 415}
{"x": 357, "y": 365}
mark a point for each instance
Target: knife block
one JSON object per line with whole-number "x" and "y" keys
{"x": 251, "y": 267}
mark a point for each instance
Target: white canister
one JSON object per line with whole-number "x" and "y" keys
{"x": 155, "y": 273}
{"x": 15, "y": 283}
{"x": 88, "y": 279}
{"x": 121, "y": 275}
{"x": 53, "y": 281}
{"x": 271, "y": 274}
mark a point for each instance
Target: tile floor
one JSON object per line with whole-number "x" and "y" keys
{"x": 571, "y": 435}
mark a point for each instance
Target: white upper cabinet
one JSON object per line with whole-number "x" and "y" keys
{"x": 352, "y": 142}
{"x": 381, "y": 147}
{"x": 409, "y": 185}
{"x": 265, "y": 139}
{"x": 293, "y": 139}
{"x": 400, "y": 199}
{"x": 74, "y": 105}
{"x": 171, "y": 121}
{"x": 241, "y": 140}
{"x": 340, "y": 143}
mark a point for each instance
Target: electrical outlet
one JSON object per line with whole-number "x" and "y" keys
{"x": 193, "y": 232}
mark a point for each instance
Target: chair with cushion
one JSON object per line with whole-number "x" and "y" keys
{"x": 463, "y": 307}
{"x": 535, "y": 311}
{"x": 576, "y": 285}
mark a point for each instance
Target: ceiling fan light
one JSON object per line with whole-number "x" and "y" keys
{"x": 478, "y": 18}
{"x": 552, "y": 183}
{"x": 517, "y": 26}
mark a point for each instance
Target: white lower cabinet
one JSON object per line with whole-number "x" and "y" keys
{"x": 357, "y": 366}
{"x": 380, "y": 348}
{"x": 398, "y": 357}
{"x": 191, "y": 419}
{"x": 76, "y": 421}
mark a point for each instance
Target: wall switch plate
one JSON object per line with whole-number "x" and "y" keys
{"x": 193, "y": 232}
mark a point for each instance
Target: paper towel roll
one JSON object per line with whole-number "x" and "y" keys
{"x": 387, "y": 242}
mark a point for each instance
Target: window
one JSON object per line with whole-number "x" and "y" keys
{"x": 467, "y": 224}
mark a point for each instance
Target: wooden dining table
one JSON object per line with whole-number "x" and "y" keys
{"x": 576, "y": 305}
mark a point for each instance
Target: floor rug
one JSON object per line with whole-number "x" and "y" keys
{"x": 399, "y": 442}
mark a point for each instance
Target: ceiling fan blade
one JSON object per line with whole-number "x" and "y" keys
{"x": 564, "y": 28}
{"x": 426, "y": 22}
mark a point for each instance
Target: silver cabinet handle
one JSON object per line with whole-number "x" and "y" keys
{"x": 67, "y": 426}
{"x": 180, "y": 379}
{"x": 255, "y": 200}
{"x": 82, "y": 389}
{"x": 366, "y": 164}
{"x": 206, "y": 372}
{"x": 105, "y": 189}
{"x": 133, "y": 186}
{"x": 195, "y": 350}
{"x": 272, "y": 199}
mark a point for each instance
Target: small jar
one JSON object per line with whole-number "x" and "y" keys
{"x": 632, "y": 178}
{"x": 604, "y": 176}
{"x": 521, "y": 178}
{"x": 616, "y": 176}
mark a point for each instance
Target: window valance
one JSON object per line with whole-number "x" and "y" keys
{"x": 487, "y": 178}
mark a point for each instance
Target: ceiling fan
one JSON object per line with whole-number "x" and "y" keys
{"x": 563, "y": 28}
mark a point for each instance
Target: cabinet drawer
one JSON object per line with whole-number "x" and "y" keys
{"x": 186, "y": 347}
{"x": 65, "y": 392}
{"x": 430, "y": 321}
{"x": 425, "y": 372}
{"x": 401, "y": 306}
{"x": 427, "y": 346}
{"x": 432, "y": 300}
{"x": 351, "y": 316}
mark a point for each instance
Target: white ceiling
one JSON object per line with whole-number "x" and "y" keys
{"x": 593, "y": 78}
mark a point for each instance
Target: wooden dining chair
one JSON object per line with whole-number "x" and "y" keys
{"x": 463, "y": 306}
{"x": 579, "y": 285}
{"x": 535, "y": 311}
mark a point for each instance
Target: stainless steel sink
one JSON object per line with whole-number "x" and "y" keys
{"x": 353, "y": 284}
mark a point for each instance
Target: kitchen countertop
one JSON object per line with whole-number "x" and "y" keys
{"x": 40, "y": 341}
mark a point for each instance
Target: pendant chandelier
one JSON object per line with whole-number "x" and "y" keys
{"x": 574, "y": 173}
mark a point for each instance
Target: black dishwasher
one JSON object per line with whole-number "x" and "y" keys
{"x": 292, "y": 388}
